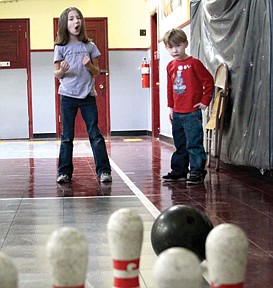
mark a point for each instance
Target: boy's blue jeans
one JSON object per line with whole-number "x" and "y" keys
{"x": 89, "y": 111}
{"x": 188, "y": 137}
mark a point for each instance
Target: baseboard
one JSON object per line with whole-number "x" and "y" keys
{"x": 44, "y": 135}
{"x": 166, "y": 139}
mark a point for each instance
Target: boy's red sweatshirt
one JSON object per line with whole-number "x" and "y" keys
{"x": 198, "y": 85}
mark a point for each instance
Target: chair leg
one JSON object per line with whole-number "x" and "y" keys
{"x": 219, "y": 143}
{"x": 208, "y": 147}
{"x": 217, "y": 164}
{"x": 216, "y": 143}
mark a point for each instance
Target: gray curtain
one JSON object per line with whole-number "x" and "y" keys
{"x": 238, "y": 32}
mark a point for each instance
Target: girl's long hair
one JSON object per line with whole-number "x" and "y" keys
{"x": 63, "y": 34}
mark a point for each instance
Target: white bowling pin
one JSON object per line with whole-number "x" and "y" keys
{"x": 226, "y": 254}
{"x": 177, "y": 267}
{"x": 8, "y": 272}
{"x": 67, "y": 253}
{"x": 125, "y": 236}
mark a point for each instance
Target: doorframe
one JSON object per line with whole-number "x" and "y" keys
{"x": 29, "y": 82}
{"x": 107, "y": 80}
{"x": 155, "y": 91}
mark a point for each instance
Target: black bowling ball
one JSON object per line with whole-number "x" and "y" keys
{"x": 181, "y": 226}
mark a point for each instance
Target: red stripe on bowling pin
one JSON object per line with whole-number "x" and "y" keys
{"x": 81, "y": 286}
{"x": 126, "y": 283}
{"x": 125, "y": 267}
{"x": 239, "y": 285}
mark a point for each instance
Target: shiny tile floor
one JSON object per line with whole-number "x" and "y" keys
{"x": 32, "y": 205}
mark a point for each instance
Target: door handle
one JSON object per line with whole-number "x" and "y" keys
{"x": 101, "y": 86}
{"x": 104, "y": 71}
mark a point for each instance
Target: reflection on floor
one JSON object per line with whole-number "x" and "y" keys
{"x": 32, "y": 205}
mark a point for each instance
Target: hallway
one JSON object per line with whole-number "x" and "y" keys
{"x": 33, "y": 205}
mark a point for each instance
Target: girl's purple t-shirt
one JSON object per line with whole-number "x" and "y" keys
{"x": 77, "y": 81}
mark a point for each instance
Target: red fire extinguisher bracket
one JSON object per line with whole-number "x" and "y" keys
{"x": 145, "y": 73}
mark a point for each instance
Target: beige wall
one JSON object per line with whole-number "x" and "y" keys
{"x": 125, "y": 19}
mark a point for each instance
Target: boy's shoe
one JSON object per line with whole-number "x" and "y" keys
{"x": 195, "y": 179}
{"x": 170, "y": 177}
{"x": 63, "y": 179}
{"x": 105, "y": 177}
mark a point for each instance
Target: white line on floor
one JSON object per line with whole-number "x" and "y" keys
{"x": 144, "y": 200}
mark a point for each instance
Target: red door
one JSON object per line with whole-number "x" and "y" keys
{"x": 97, "y": 31}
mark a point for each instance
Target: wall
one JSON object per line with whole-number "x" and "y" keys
{"x": 43, "y": 91}
{"x": 123, "y": 27}
{"x": 130, "y": 104}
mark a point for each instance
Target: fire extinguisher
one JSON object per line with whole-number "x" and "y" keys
{"x": 145, "y": 73}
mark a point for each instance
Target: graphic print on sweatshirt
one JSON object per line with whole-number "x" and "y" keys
{"x": 178, "y": 84}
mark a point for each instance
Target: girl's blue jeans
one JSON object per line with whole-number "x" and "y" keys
{"x": 89, "y": 111}
{"x": 187, "y": 130}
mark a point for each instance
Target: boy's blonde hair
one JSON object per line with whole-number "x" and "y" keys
{"x": 174, "y": 36}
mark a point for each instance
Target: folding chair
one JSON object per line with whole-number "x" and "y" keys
{"x": 216, "y": 114}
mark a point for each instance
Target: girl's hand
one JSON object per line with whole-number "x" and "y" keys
{"x": 200, "y": 106}
{"x": 92, "y": 65}
{"x": 64, "y": 66}
{"x": 86, "y": 61}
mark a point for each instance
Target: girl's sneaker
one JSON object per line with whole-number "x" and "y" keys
{"x": 105, "y": 177}
{"x": 63, "y": 179}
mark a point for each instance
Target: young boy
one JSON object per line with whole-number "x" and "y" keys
{"x": 190, "y": 87}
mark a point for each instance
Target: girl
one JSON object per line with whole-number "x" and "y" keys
{"x": 75, "y": 65}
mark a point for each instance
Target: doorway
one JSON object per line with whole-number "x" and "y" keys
{"x": 97, "y": 31}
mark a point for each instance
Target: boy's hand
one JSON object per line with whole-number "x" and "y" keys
{"x": 171, "y": 115}
{"x": 200, "y": 106}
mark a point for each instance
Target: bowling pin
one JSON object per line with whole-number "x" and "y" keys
{"x": 67, "y": 254}
{"x": 125, "y": 236}
{"x": 177, "y": 267}
{"x": 226, "y": 254}
{"x": 8, "y": 272}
